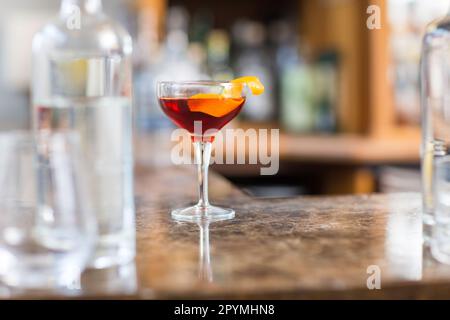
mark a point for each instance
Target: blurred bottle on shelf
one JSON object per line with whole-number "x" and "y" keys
{"x": 149, "y": 121}
{"x": 197, "y": 55}
{"x": 325, "y": 84}
{"x": 407, "y": 21}
{"x": 202, "y": 24}
{"x": 176, "y": 63}
{"x": 218, "y": 45}
{"x": 252, "y": 58}
{"x": 307, "y": 86}
{"x": 405, "y": 43}
{"x": 295, "y": 80}
{"x": 297, "y": 101}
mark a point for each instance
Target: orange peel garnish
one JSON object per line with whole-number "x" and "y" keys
{"x": 252, "y": 82}
{"x": 215, "y": 105}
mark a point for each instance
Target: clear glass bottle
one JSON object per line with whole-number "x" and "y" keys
{"x": 435, "y": 85}
{"x": 82, "y": 83}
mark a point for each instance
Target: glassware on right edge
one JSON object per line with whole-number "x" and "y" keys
{"x": 440, "y": 237}
{"x": 435, "y": 91}
{"x": 47, "y": 231}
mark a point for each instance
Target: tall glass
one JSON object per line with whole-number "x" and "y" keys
{"x": 202, "y": 108}
{"x": 435, "y": 96}
{"x": 47, "y": 230}
{"x": 440, "y": 237}
{"x": 82, "y": 83}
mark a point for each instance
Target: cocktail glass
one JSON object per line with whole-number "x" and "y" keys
{"x": 202, "y": 108}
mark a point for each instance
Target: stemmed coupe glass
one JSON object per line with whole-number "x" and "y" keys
{"x": 202, "y": 108}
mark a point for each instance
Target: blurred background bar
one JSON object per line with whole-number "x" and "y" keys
{"x": 345, "y": 98}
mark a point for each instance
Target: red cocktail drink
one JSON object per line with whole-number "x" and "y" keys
{"x": 211, "y": 112}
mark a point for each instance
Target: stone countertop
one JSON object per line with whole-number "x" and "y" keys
{"x": 303, "y": 247}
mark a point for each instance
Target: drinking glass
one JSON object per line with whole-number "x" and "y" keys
{"x": 47, "y": 230}
{"x": 202, "y": 108}
{"x": 435, "y": 101}
{"x": 440, "y": 236}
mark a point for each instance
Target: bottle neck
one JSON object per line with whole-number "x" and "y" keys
{"x": 91, "y": 7}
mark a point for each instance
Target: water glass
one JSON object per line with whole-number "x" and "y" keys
{"x": 47, "y": 230}
{"x": 435, "y": 101}
{"x": 440, "y": 239}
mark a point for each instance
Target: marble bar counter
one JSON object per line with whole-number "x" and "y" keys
{"x": 292, "y": 248}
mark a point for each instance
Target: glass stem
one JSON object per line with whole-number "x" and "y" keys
{"x": 203, "y": 157}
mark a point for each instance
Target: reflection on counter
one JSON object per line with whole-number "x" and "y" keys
{"x": 404, "y": 241}
{"x": 205, "y": 268}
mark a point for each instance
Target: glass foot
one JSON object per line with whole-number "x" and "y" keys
{"x": 199, "y": 213}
